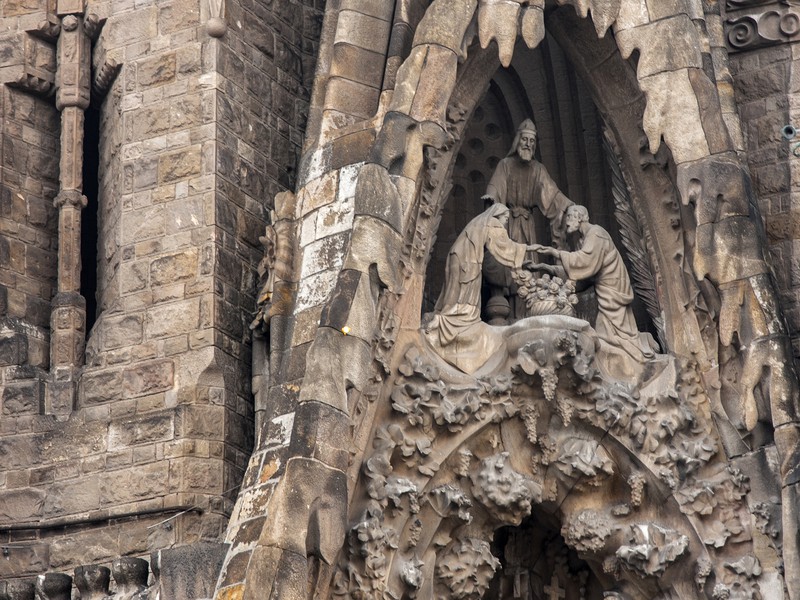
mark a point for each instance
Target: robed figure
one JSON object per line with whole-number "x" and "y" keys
{"x": 455, "y": 329}
{"x": 623, "y": 348}
{"x": 523, "y": 184}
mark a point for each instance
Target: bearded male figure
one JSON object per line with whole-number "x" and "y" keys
{"x": 623, "y": 348}
{"x": 522, "y": 183}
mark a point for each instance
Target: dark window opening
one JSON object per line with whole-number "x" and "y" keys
{"x": 89, "y": 252}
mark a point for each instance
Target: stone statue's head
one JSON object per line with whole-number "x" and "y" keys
{"x": 525, "y": 141}
{"x": 575, "y": 215}
{"x": 498, "y": 211}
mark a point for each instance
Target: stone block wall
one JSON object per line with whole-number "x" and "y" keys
{"x": 192, "y": 151}
{"x": 28, "y": 183}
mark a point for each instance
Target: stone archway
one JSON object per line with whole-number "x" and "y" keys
{"x": 454, "y": 457}
{"x": 396, "y": 210}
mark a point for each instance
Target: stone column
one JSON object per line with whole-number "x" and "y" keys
{"x": 68, "y": 316}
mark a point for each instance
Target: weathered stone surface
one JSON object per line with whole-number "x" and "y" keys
{"x": 24, "y": 398}
{"x": 22, "y": 505}
{"x": 179, "y": 165}
{"x": 203, "y": 422}
{"x": 188, "y": 572}
{"x": 148, "y": 378}
{"x": 100, "y": 386}
{"x": 375, "y": 243}
{"x": 128, "y": 485}
{"x": 319, "y": 434}
{"x": 672, "y": 112}
{"x": 173, "y": 268}
{"x": 173, "y": 318}
{"x": 321, "y": 490}
{"x": 357, "y": 64}
{"x": 445, "y": 23}
{"x": 92, "y": 581}
{"x": 157, "y": 70}
{"x": 13, "y": 349}
{"x": 156, "y": 428}
{"x": 344, "y": 366}
{"x": 72, "y": 497}
{"x": 362, "y": 30}
{"x": 122, "y": 331}
{"x": 94, "y": 546}
{"x": 665, "y": 45}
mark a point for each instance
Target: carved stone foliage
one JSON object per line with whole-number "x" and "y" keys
{"x": 275, "y": 268}
{"x": 456, "y": 457}
{"x": 466, "y": 568}
{"x": 650, "y": 549}
{"x": 504, "y": 492}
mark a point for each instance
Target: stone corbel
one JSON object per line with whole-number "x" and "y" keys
{"x": 749, "y": 30}
{"x": 28, "y": 62}
{"x": 104, "y": 77}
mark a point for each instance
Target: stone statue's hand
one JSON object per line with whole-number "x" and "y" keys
{"x": 534, "y": 266}
{"x": 543, "y": 250}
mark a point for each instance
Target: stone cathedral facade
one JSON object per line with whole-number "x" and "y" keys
{"x": 296, "y": 301}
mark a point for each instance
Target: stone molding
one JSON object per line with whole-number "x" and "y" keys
{"x": 773, "y": 23}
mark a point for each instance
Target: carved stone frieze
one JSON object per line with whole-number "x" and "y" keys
{"x": 493, "y": 449}
{"x": 750, "y": 31}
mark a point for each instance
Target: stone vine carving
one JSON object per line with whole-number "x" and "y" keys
{"x": 439, "y": 477}
{"x": 466, "y": 569}
{"x": 587, "y": 531}
{"x": 449, "y": 500}
{"x": 369, "y": 543}
{"x": 507, "y": 494}
{"x": 651, "y": 549}
{"x": 583, "y": 463}
{"x": 545, "y": 295}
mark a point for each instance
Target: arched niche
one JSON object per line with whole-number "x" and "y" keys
{"x": 574, "y": 146}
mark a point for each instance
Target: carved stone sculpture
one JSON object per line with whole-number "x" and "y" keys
{"x": 455, "y": 329}
{"x": 597, "y": 258}
{"x": 522, "y": 183}
{"x": 506, "y": 493}
{"x": 92, "y": 581}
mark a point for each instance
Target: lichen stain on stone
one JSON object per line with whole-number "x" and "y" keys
{"x": 232, "y": 593}
{"x": 269, "y": 470}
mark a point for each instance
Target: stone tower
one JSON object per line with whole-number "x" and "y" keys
{"x": 224, "y": 227}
